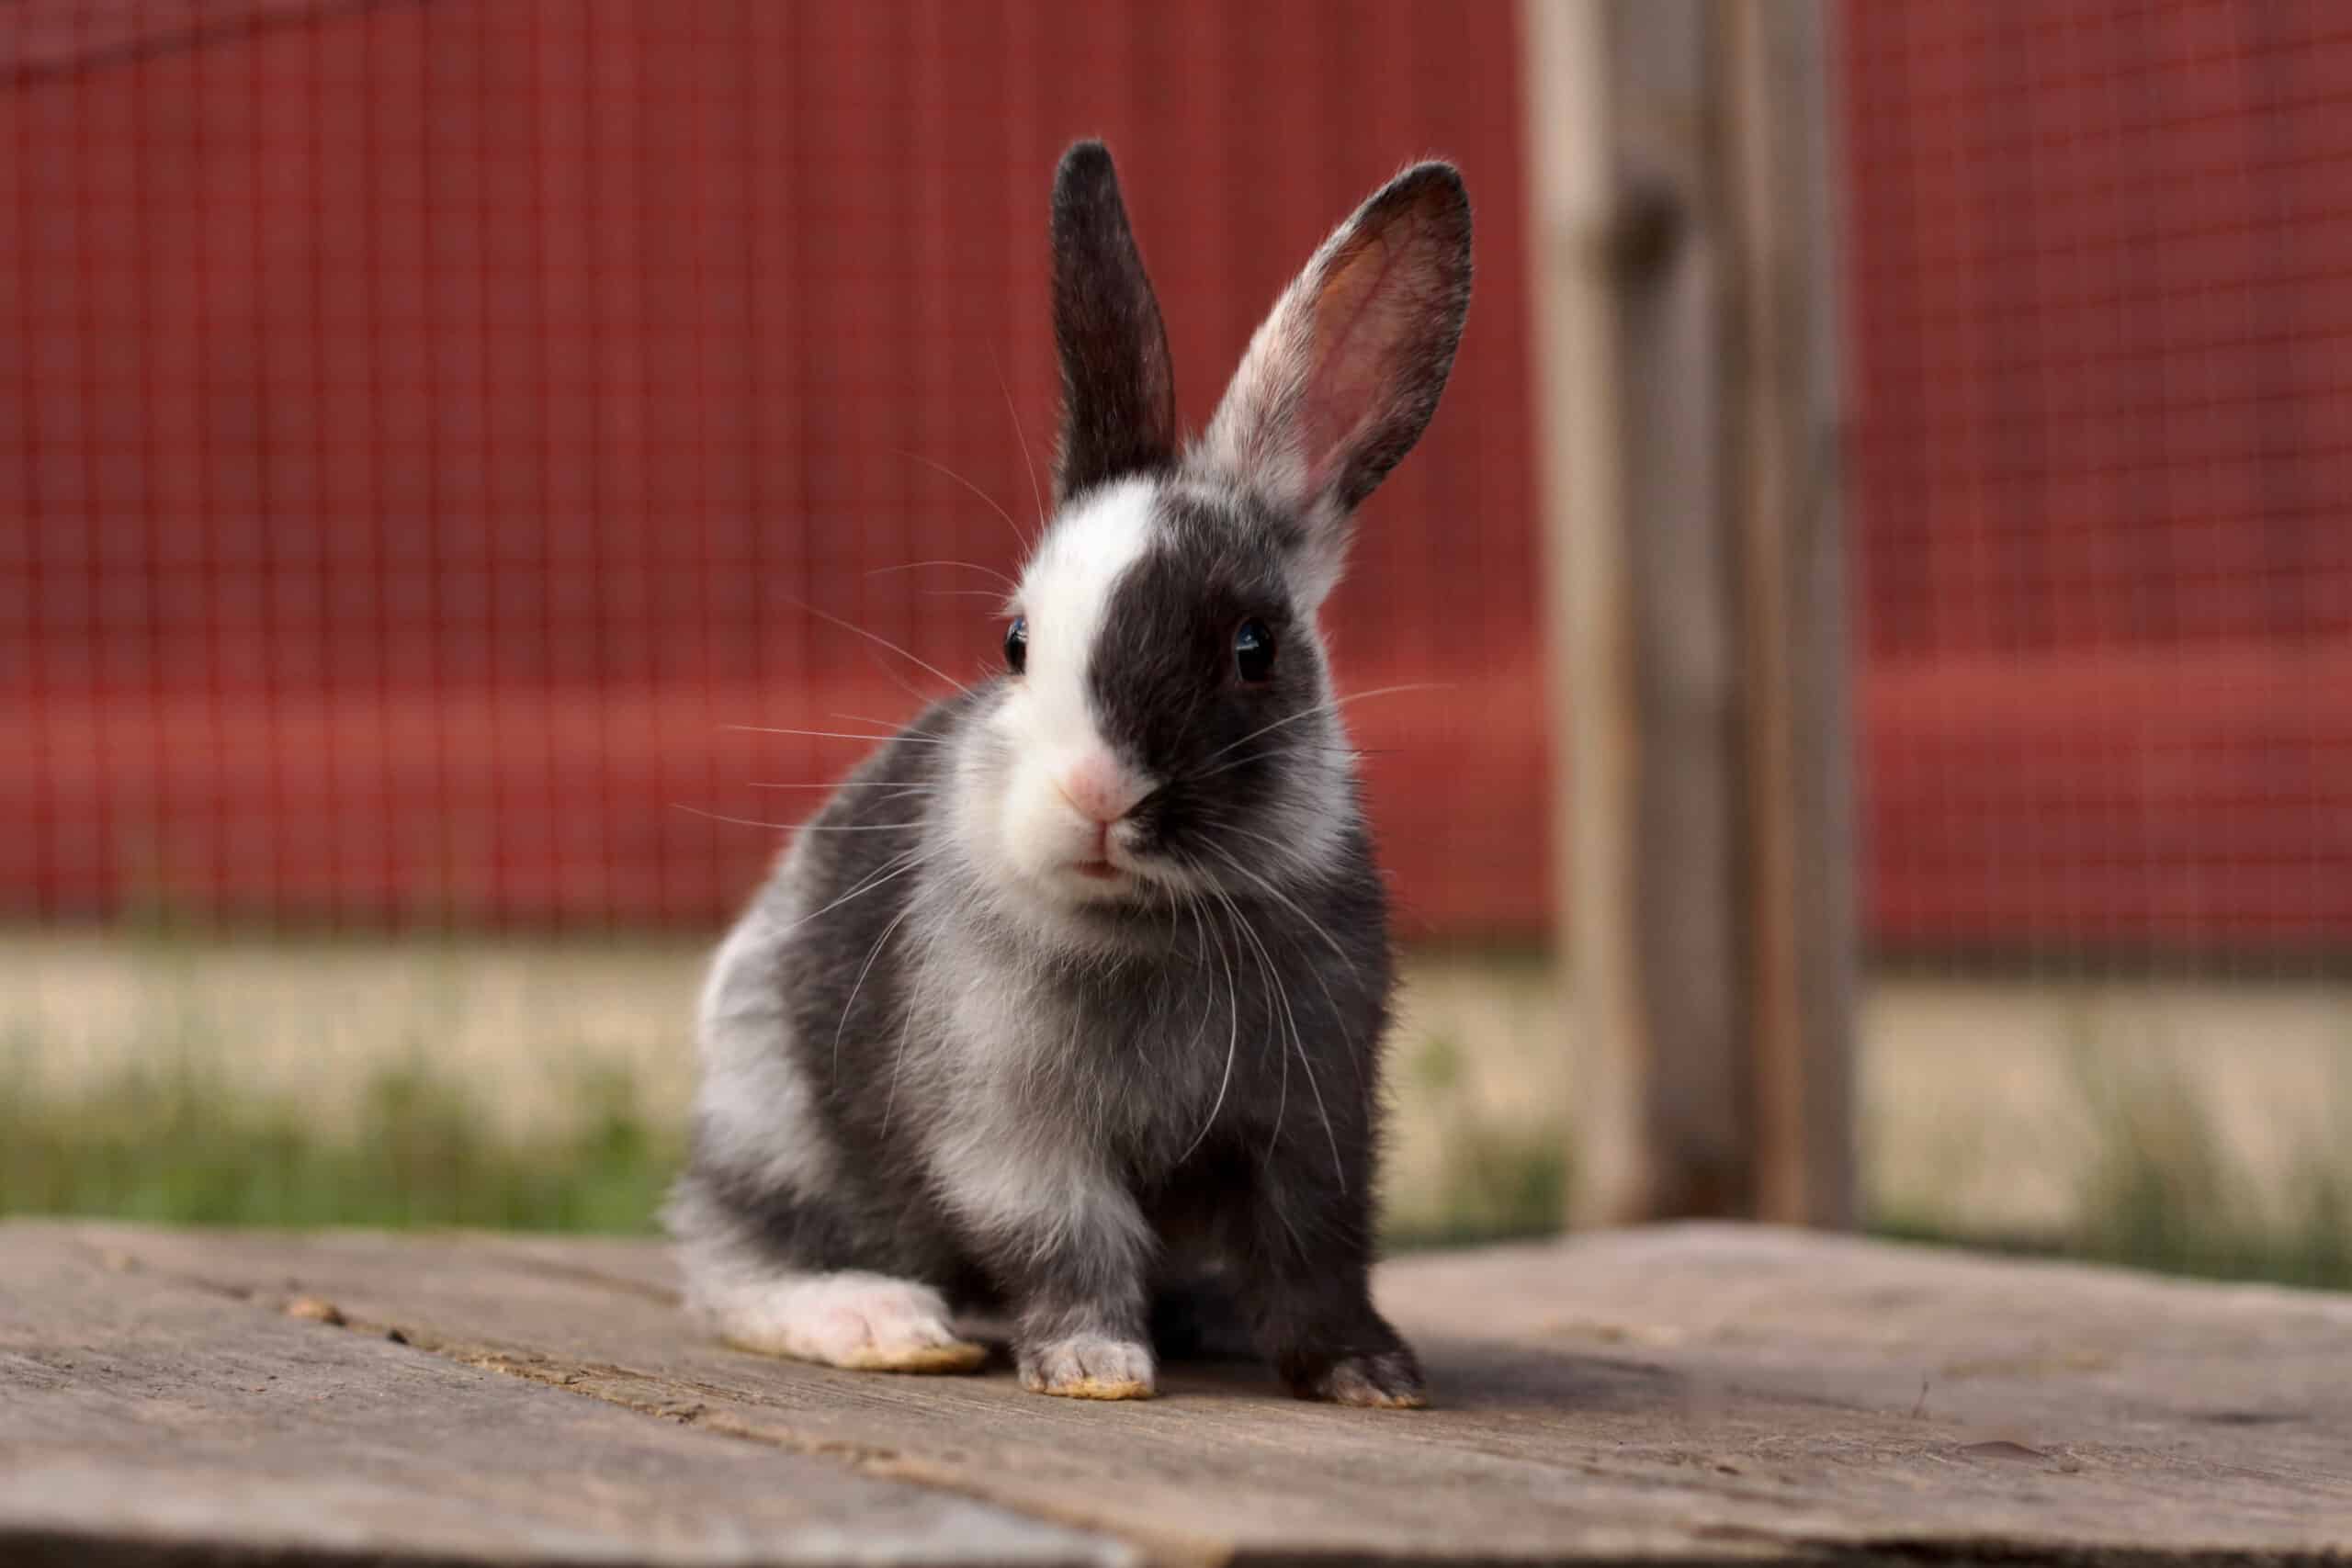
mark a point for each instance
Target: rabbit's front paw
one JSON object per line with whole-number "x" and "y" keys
{"x": 1377, "y": 1380}
{"x": 1089, "y": 1366}
{"x": 866, "y": 1321}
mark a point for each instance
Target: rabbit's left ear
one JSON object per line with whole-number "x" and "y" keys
{"x": 1118, "y": 386}
{"x": 1342, "y": 377}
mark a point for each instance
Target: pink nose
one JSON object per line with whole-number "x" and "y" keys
{"x": 1095, "y": 785}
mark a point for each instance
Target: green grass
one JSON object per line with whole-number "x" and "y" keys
{"x": 172, "y": 1148}
{"x": 175, "y": 1148}
{"x": 1492, "y": 1182}
{"x": 211, "y": 1129}
{"x": 2161, "y": 1191}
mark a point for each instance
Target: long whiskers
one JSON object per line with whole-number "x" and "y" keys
{"x": 898, "y": 865}
{"x": 967, "y": 565}
{"x": 795, "y": 827}
{"x": 1354, "y": 1065}
{"x": 1299, "y": 1044}
{"x": 1027, "y": 462}
{"x": 1281, "y": 1102}
{"x": 872, "y": 954}
{"x": 880, "y": 641}
{"x": 1302, "y": 715}
{"x": 1279, "y": 897}
{"x": 898, "y": 1060}
{"x": 1019, "y": 537}
{"x": 836, "y": 734}
{"x": 1233, "y": 1036}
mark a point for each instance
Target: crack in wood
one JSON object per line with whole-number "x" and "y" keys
{"x": 1771, "y": 1426}
{"x": 620, "y": 1386}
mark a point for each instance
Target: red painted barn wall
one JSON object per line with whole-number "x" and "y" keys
{"x": 2101, "y": 296}
{"x": 435, "y": 418}
{"x": 425, "y": 423}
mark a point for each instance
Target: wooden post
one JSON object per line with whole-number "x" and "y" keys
{"x": 1688, "y": 426}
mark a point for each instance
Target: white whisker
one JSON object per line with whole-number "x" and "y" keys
{"x": 898, "y": 865}
{"x": 993, "y": 502}
{"x": 1257, "y": 956}
{"x": 880, "y": 641}
{"x": 1304, "y": 714}
{"x": 1299, "y": 1044}
{"x": 1027, "y": 462}
{"x": 1338, "y": 1018}
{"x": 872, "y": 954}
{"x": 891, "y": 725}
{"x": 1276, "y": 893}
{"x": 967, "y": 565}
{"x": 898, "y": 1060}
{"x": 1233, "y": 1036}
{"x": 797, "y": 827}
{"x": 835, "y": 734}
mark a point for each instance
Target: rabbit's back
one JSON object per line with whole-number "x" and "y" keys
{"x": 791, "y": 1151}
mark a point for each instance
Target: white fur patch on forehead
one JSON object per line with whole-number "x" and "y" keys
{"x": 1064, "y": 593}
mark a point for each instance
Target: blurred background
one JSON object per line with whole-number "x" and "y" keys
{"x": 425, "y": 423}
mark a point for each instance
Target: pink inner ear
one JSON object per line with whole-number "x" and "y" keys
{"x": 1358, "y": 324}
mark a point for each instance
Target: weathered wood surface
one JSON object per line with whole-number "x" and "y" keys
{"x": 143, "y": 1417}
{"x": 1688, "y": 1394}
{"x": 1681, "y": 271}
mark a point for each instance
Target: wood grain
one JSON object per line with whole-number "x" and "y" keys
{"x": 1690, "y": 414}
{"x": 1694, "y": 1394}
{"x": 145, "y": 1417}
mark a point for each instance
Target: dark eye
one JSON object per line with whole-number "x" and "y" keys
{"x": 1253, "y": 650}
{"x": 1016, "y": 645}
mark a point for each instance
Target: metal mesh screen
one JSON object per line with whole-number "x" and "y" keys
{"x": 2101, "y": 289}
{"x": 432, "y": 423}
{"x": 426, "y": 424}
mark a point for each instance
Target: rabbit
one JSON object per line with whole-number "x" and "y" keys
{"x": 1071, "y": 1005}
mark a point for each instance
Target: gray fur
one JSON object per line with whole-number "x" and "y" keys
{"x": 916, "y": 1073}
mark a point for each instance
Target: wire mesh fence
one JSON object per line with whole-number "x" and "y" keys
{"x": 443, "y": 443}
{"x": 437, "y": 424}
{"x": 433, "y": 425}
{"x": 2102, "y": 283}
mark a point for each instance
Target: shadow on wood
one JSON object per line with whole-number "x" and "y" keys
{"x": 1692, "y": 1395}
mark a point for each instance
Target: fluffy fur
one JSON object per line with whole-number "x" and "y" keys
{"x": 1083, "y": 1020}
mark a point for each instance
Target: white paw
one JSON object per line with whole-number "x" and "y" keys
{"x": 869, "y": 1322}
{"x": 1089, "y": 1366}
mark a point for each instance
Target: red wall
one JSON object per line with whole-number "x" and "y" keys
{"x": 435, "y": 417}
{"x": 428, "y": 421}
{"x": 2101, "y": 287}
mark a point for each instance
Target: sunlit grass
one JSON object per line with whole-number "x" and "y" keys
{"x": 2161, "y": 1190}
{"x": 193, "y": 1078}
{"x": 175, "y": 1148}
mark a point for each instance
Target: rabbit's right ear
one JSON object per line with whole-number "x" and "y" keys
{"x": 1341, "y": 378}
{"x": 1118, "y": 386}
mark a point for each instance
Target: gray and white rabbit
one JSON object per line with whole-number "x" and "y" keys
{"x": 1077, "y": 1015}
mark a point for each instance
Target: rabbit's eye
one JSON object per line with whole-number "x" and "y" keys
{"x": 1016, "y": 645}
{"x": 1253, "y": 650}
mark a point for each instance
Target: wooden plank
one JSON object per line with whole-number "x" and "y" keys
{"x": 1780, "y": 368}
{"x": 1626, "y": 285}
{"x": 1696, "y": 1395}
{"x": 144, "y": 1417}
{"x": 1698, "y": 691}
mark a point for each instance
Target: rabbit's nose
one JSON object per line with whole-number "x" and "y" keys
{"x": 1099, "y": 788}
